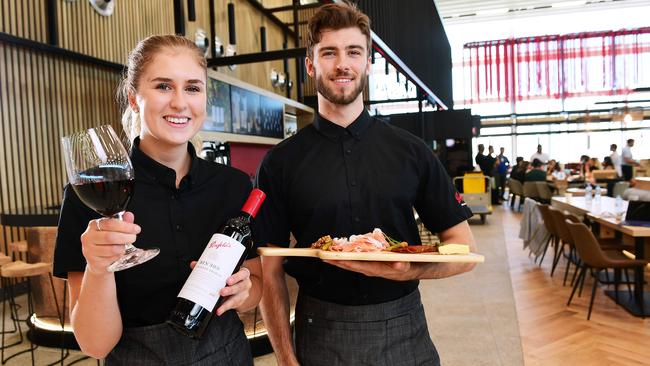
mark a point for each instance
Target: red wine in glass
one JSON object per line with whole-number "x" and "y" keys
{"x": 107, "y": 197}
{"x": 101, "y": 174}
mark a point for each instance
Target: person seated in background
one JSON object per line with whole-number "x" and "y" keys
{"x": 584, "y": 167}
{"x": 550, "y": 167}
{"x": 537, "y": 174}
{"x": 608, "y": 164}
{"x": 519, "y": 171}
{"x": 591, "y": 165}
{"x": 594, "y": 164}
{"x": 557, "y": 173}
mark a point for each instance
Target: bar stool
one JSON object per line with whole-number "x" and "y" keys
{"x": 10, "y": 273}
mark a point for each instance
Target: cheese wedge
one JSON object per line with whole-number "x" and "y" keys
{"x": 453, "y": 249}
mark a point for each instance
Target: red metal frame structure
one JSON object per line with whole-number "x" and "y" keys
{"x": 557, "y": 66}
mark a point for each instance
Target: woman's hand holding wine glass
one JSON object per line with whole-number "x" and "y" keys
{"x": 104, "y": 241}
{"x": 101, "y": 174}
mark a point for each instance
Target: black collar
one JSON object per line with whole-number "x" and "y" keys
{"x": 333, "y": 131}
{"x": 156, "y": 171}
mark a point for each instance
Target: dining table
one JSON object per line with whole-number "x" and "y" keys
{"x": 606, "y": 217}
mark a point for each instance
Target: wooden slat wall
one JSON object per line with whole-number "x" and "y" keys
{"x": 43, "y": 97}
{"x": 110, "y": 38}
{"x": 247, "y": 22}
{"x": 23, "y": 19}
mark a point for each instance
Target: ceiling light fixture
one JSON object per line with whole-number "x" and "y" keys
{"x": 566, "y": 4}
{"x": 488, "y": 12}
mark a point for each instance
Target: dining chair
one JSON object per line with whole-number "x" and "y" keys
{"x": 550, "y": 227}
{"x": 516, "y": 190}
{"x": 595, "y": 260}
{"x": 544, "y": 192}
{"x": 530, "y": 190}
{"x": 565, "y": 239}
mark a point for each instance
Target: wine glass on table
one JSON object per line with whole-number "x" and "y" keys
{"x": 100, "y": 172}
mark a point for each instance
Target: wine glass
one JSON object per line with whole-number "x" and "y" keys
{"x": 101, "y": 174}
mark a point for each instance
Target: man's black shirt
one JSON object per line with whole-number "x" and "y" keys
{"x": 329, "y": 180}
{"x": 178, "y": 221}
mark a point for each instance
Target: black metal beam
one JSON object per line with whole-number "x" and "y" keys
{"x": 623, "y": 101}
{"x": 179, "y": 18}
{"x": 258, "y": 57}
{"x": 191, "y": 11}
{"x": 270, "y": 16}
{"x": 290, "y": 7}
{"x": 52, "y": 26}
{"x": 299, "y": 61}
{"x": 643, "y": 89}
{"x": 213, "y": 32}
{"x": 299, "y": 23}
{"x": 383, "y": 101}
{"x": 285, "y": 64}
{"x": 56, "y": 51}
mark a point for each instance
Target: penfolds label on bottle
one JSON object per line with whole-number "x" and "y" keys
{"x": 216, "y": 264}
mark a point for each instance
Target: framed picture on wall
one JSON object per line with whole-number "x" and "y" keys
{"x": 271, "y": 117}
{"x": 245, "y": 111}
{"x": 218, "y": 117}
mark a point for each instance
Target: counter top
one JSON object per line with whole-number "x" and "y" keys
{"x": 31, "y": 216}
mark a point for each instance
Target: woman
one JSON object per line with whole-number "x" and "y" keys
{"x": 179, "y": 202}
{"x": 519, "y": 172}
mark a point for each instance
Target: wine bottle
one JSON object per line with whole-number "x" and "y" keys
{"x": 222, "y": 257}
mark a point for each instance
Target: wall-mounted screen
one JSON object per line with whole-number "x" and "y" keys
{"x": 218, "y": 110}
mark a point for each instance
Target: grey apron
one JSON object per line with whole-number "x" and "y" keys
{"x": 393, "y": 333}
{"x": 224, "y": 343}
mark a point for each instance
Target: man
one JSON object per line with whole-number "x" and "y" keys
{"x": 537, "y": 174}
{"x": 503, "y": 164}
{"x": 539, "y": 155}
{"x": 485, "y": 162}
{"x": 616, "y": 159}
{"x": 348, "y": 173}
{"x": 480, "y": 157}
{"x": 628, "y": 162}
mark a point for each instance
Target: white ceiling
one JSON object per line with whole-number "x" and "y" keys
{"x": 462, "y": 11}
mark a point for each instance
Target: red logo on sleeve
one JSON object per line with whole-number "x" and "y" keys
{"x": 459, "y": 198}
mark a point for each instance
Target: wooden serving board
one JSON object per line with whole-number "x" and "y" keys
{"x": 376, "y": 256}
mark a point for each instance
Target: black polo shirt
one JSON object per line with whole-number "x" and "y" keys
{"x": 329, "y": 180}
{"x": 178, "y": 221}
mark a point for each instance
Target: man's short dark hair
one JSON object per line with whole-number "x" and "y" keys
{"x": 613, "y": 147}
{"x": 537, "y": 163}
{"x": 630, "y": 141}
{"x": 336, "y": 16}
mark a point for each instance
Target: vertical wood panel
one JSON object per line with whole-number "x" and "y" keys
{"x": 248, "y": 21}
{"x": 41, "y": 99}
{"x": 44, "y": 97}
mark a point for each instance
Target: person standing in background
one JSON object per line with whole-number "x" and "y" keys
{"x": 627, "y": 162}
{"x": 616, "y": 160}
{"x": 539, "y": 155}
{"x": 503, "y": 164}
{"x": 479, "y": 159}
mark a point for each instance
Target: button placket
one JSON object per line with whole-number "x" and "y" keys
{"x": 180, "y": 238}
{"x": 352, "y": 183}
